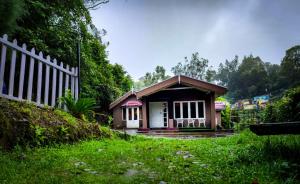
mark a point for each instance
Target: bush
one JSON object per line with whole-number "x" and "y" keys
{"x": 80, "y": 108}
{"x": 225, "y": 114}
{"x": 26, "y": 125}
{"x": 285, "y": 109}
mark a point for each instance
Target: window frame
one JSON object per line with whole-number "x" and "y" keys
{"x": 124, "y": 109}
{"x": 189, "y": 109}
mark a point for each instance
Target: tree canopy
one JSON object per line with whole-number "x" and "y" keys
{"x": 56, "y": 27}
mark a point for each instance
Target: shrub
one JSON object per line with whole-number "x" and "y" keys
{"x": 285, "y": 109}
{"x": 225, "y": 114}
{"x": 78, "y": 108}
{"x": 26, "y": 125}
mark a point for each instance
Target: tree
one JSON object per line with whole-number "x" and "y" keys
{"x": 227, "y": 70}
{"x": 250, "y": 79}
{"x": 195, "y": 68}
{"x": 290, "y": 68}
{"x": 10, "y": 12}
{"x": 158, "y": 75}
{"x": 55, "y": 27}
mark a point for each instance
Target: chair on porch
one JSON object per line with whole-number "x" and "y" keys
{"x": 191, "y": 122}
{"x": 202, "y": 121}
{"x": 179, "y": 121}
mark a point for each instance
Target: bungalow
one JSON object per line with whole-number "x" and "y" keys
{"x": 177, "y": 102}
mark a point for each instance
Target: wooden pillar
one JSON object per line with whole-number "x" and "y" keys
{"x": 212, "y": 111}
{"x": 144, "y": 111}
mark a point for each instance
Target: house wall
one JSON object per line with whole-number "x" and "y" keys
{"x": 181, "y": 95}
{"x": 118, "y": 123}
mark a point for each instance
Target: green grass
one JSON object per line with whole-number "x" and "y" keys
{"x": 241, "y": 158}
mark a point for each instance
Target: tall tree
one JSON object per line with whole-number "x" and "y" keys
{"x": 55, "y": 27}
{"x": 196, "y": 68}
{"x": 290, "y": 68}
{"x": 158, "y": 75}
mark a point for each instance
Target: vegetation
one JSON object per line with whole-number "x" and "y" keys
{"x": 55, "y": 28}
{"x": 151, "y": 78}
{"x": 196, "y": 68}
{"x": 225, "y": 114}
{"x": 25, "y": 125}
{"x": 285, "y": 109}
{"x": 78, "y": 108}
{"x": 242, "y": 158}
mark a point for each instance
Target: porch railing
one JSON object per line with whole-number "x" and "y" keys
{"x": 190, "y": 122}
{"x": 24, "y": 75}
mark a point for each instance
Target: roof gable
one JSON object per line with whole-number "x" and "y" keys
{"x": 184, "y": 80}
{"x": 180, "y": 80}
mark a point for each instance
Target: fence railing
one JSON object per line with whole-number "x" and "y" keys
{"x": 24, "y": 75}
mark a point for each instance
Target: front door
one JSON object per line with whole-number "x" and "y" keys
{"x": 132, "y": 117}
{"x": 158, "y": 114}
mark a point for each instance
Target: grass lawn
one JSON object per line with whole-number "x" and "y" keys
{"x": 242, "y": 158}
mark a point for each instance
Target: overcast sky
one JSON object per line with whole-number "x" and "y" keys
{"x": 143, "y": 34}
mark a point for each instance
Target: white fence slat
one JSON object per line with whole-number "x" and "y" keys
{"x": 46, "y": 97}
{"x": 68, "y": 72}
{"x": 67, "y": 79}
{"x": 60, "y": 81}
{"x": 30, "y": 78}
{"x": 72, "y": 82}
{"x": 12, "y": 70}
{"x": 53, "y": 99}
{"x": 2, "y": 66}
{"x": 76, "y": 84}
{"x": 32, "y": 55}
{"x": 39, "y": 85}
{"x": 22, "y": 73}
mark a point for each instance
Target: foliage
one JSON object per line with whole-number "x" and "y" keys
{"x": 56, "y": 27}
{"x": 196, "y": 68}
{"x": 158, "y": 75}
{"x": 254, "y": 77}
{"x": 78, "y": 108}
{"x": 10, "y": 12}
{"x": 25, "y": 125}
{"x": 285, "y": 109}
{"x": 226, "y": 113}
{"x": 290, "y": 68}
{"x": 241, "y": 158}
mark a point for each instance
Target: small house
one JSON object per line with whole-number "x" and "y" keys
{"x": 177, "y": 102}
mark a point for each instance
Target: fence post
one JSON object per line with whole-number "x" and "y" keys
{"x": 22, "y": 73}
{"x": 2, "y": 66}
{"x": 12, "y": 71}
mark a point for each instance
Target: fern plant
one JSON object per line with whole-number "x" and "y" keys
{"x": 78, "y": 108}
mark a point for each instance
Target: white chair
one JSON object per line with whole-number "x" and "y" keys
{"x": 201, "y": 121}
{"x": 179, "y": 121}
{"x": 191, "y": 122}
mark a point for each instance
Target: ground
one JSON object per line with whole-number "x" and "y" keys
{"x": 241, "y": 158}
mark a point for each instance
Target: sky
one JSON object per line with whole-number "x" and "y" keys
{"x": 145, "y": 33}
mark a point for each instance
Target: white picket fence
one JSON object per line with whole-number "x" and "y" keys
{"x": 34, "y": 83}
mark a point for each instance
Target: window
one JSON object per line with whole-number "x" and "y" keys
{"x": 177, "y": 110}
{"x": 185, "y": 110}
{"x": 129, "y": 113}
{"x": 193, "y": 109}
{"x": 189, "y": 109}
{"x": 200, "y": 109}
{"x": 135, "y": 114}
{"x": 124, "y": 114}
